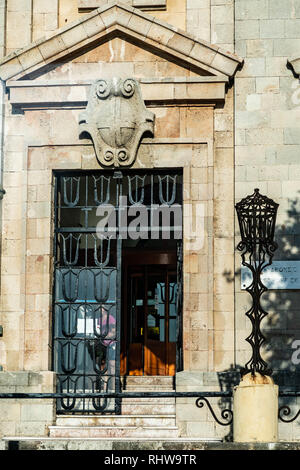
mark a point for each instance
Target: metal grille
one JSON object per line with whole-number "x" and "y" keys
{"x": 87, "y": 278}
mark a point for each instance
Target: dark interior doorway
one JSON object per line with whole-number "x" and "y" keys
{"x": 150, "y": 312}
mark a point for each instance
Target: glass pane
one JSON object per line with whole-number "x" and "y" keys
{"x": 153, "y": 324}
{"x": 137, "y": 309}
{"x": 156, "y": 308}
{"x": 162, "y": 330}
{"x": 172, "y": 330}
{"x": 173, "y": 299}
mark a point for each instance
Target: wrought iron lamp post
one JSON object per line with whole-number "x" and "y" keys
{"x": 257, "y": 218}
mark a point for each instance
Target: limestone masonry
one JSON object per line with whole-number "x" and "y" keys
{"x": 217, "y": 94}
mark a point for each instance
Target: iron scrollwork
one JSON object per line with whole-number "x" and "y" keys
{"x": 257, "y": 218}
{"x": 227, "y": 415}
{"x": 285, "y": 410}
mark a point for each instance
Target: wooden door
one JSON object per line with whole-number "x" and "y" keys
{"x": 151, "y": 319}
{"x": 160, "y": 323}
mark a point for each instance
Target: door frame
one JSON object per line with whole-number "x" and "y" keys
{"x": 165, "y": 177}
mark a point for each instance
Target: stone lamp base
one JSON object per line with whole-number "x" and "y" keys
{"x": 255, "y": 409}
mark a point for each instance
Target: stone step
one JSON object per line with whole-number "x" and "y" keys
{"x": 145, "y": 380}
{"x": 84, "y": 432}
{"x": 148, "y": 408}
{"x": 135, "y": 443}
{"x": 116, "y": 420}
{"x": 150, "y": 400}
{"x": 148, "y": 388}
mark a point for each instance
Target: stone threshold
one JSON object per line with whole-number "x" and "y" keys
{"x": 151, "y": 444}
{"x": 107, "y": 439}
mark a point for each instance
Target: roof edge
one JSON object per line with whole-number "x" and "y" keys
{"x": 152, "y": 30}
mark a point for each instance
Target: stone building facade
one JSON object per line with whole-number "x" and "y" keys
{"x": 221, "y": 80}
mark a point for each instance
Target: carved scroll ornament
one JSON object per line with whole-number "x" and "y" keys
{"x": 116, "y": 119}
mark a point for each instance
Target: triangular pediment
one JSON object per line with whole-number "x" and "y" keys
{"x": 120, "y": 56}
{"x": 117, "y": 20}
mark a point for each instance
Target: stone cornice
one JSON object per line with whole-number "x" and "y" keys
{"x": 30, "y": 94}
{"x": 115, "y": 19}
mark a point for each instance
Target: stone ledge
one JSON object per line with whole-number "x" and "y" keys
{"x": 32, "y": 95}
{"x": 148, "y": 80}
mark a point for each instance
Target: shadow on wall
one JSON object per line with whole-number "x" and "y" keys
{"x": 281, "y": 327}
{"x": 227, "y": 380}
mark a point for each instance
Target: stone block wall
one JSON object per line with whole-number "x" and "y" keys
{"x": 18, "y": 24}
{"x": 199, "y": 422}
{"x": 2, "y": 27}
{"x": 30, "y": 20}
{"x": 212, "y": 20}
{"x": 26, "y": 257}
{"x": 267, "y": 156}
{"x": 26, "y": 417}
{"x": 260, "y": 117}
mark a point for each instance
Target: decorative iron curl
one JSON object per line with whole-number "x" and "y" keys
{"x": 286, "y": 411}
{"x": 244, "y": 248}
{"x": 226, "y": 414}
{"x": 271, "y": 247}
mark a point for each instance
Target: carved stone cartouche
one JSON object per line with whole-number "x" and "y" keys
{"x": 116, "y": 119}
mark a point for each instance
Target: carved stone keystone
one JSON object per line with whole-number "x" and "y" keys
{"x": 116, "y": 119}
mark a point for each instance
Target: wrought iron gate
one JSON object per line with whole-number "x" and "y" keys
{"x": 87, "y": 278}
